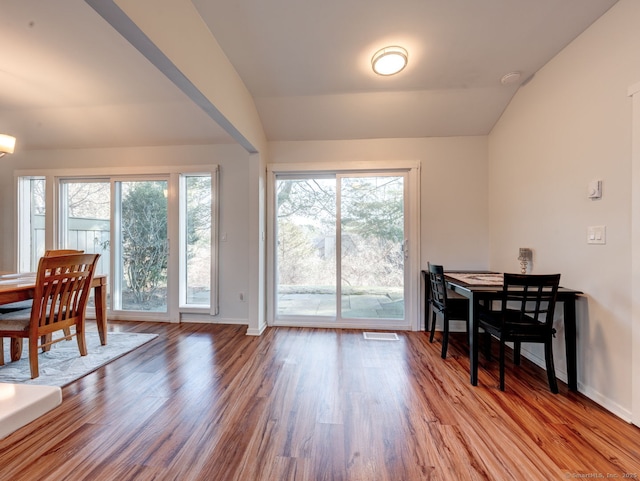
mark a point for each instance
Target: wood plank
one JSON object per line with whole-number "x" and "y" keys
{"x": 208, "y": 402}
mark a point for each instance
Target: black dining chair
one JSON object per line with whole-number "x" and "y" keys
{"x": 439, "y": 300}
{"x": 525, "y": 314}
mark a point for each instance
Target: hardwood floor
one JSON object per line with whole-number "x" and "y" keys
{"x": 207, "y": 402}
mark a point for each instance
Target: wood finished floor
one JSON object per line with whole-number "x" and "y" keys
{"x": 205, "y": 402}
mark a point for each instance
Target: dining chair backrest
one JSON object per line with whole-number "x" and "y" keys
{"x": 533, "y": 296}
{"x": 438, "y": 286}
{"x": 63, "y": 285}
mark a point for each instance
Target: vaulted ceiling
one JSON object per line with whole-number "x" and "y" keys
{"x": 69, "y": 80}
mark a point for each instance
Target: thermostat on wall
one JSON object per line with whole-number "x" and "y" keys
{"x": 594, "y": 189}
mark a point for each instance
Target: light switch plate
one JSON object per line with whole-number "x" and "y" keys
{"x": 597, "y": 234}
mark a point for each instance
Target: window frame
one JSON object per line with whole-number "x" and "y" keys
{"x": 53, "y": 217}
{"x": 213, "y": 299}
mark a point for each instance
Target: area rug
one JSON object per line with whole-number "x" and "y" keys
{"x": 63, "y": 364}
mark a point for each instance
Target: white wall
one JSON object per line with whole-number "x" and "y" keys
{"x": 234, "y": 204}
{"x": 453, "y": 195}
{"x": 570, "y": 125}
{"x": 453, "y": 188}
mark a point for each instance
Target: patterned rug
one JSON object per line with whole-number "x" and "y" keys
{"x": 63, "y": 363}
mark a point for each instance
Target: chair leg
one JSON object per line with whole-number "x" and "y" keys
{"x": 45, "y": 342}
{"x": 502, "y": 356}
{"x": 516, "y": 353}
{"x": 16, "y": 349}
{"x": 33, "y": 357}
{"x": 433, "y": 325}
{"x": 82, "y": 344}
{"x": 1, "y": 351}
{"x": 551, "y": 371}
{"x": 445, "y": 335}
{"x": 67, "y": 333}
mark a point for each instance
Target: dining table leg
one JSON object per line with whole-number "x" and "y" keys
{"x": 473, "y": 339}
{"x": 570, "y": 333}
{"x": 100, "y": 299}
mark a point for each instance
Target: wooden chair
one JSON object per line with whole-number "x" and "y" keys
{"x": 526, "y": 313}
{"x": 17, "y": 306}
{"x": 441, "y": 301}
{"x": 63, "y": 285}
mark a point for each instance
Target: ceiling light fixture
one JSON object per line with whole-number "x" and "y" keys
{"x": 7, "y": 144}
{"x": 389, "y": 60}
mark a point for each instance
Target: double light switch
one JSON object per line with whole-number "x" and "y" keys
{"x": 597, "y": 234}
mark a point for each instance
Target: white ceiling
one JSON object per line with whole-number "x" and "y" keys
{"x": 70, "y": 80}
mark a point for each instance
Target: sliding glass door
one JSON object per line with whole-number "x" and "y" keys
{"x": 372, "y": 246}
{"x": 306, "y": 246}
{"x": 85, "y": 218}
{"x": 340, "y": 251}
{"x": 141, "y": 249}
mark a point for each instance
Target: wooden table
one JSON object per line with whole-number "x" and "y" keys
{"x": 483, "y": 287}
{"x": 20, "y": 287}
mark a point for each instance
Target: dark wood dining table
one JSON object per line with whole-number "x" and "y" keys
{"x": 20, "y": 287}
{"x": 481, "y": 287}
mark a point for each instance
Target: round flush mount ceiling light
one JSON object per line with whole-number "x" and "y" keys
{"x": 389, "y": 60}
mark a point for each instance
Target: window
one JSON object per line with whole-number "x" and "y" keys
{"x": 197, "y": 213}
{"x": 130, "y": 220}
{"x": 31, "y": 222}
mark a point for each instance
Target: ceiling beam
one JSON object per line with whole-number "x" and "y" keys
{"x": 173, "y": 37}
